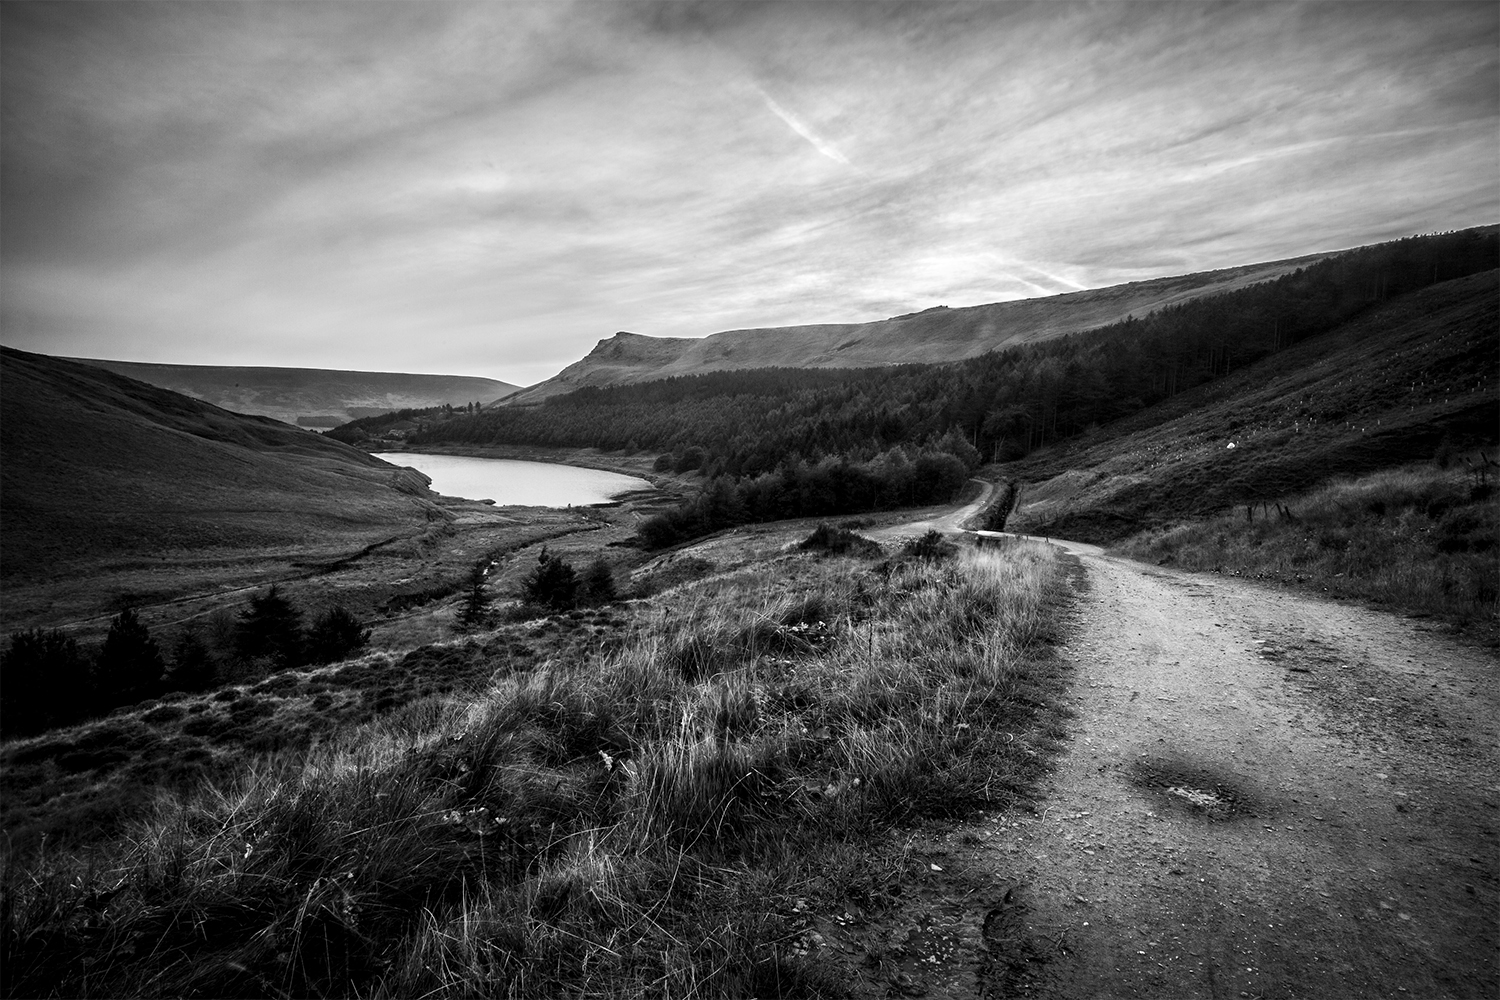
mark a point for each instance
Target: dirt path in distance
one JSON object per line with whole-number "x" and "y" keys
{"x": 1267, "y": 795}
{"x": 948, "y": 523}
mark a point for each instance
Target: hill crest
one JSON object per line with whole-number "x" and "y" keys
{"x": 99, "y": 467}
{"x": 309, "y": 397}
{"x": 934, "y": 335}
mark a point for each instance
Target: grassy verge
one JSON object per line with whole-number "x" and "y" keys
{"x": 663, "y": 818}
{"x": 1420, "y": 538}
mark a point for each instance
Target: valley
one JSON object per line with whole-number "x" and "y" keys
{"x": 681, "y": 500}
{"x": 881, "y": 716}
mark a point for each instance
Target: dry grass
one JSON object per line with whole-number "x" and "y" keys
{"x": 1419, "y": 538}
{"x": 634, "y": 822}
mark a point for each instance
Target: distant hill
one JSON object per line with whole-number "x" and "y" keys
{"x": 99, "y": 468}
{"x": 310, "y": 397}
{"x": 933, "y": 335}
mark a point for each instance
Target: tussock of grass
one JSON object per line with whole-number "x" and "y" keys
{"x": 1419, "y": 538}
{"x": 610, "y": 826}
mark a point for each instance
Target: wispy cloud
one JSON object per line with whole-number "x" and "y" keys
{"x": 801, "y": 128}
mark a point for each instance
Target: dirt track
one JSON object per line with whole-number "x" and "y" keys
{"x": 1266, "y": 795}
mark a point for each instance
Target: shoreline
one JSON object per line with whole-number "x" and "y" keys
{"x": 666, "y": 485}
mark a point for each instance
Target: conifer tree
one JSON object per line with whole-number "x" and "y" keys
{"x": 130, "y": 666}
{"x": 193, "y": 667}
{"x": 44, "y": 682}
{"x": 475, "y": 613}
{"x": 271, "y": 627}
{"x": 553, "y": 584}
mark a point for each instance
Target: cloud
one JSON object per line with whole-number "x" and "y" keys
{"x": 491, "y": 188}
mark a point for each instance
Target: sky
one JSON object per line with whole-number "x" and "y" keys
{"x": 491, "y": 188}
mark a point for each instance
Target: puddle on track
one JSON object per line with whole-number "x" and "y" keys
{"x": 1200, "y": 789}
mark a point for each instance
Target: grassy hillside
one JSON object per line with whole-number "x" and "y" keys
{"x": 1421, "y": 538}
{"x": 102, "y": 469}
{"x": 1391, "y": 387}
{"x": 687, "y": 812}
{"x": 932, "y": 336}
{"x": 311, "y": 397}
{"x": 1344, "y": 465}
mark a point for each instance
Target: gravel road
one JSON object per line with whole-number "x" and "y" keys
{"x": 1266, "y": 795}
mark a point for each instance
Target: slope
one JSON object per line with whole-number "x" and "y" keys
{"x": 931, "y": 336}
{"x": 100, "y": 468}
{"x": 310, "y": 397}
{"x": 1392, "y": 386}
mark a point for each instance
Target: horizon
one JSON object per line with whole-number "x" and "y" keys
{"x": 617, "y": 333}
{"x": 491, "y": 189}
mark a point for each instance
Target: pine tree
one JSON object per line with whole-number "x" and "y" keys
{"x": 130, "y": 666}
{"x": 44, "y": 682}
{"x": 553, "y": 584}
{"x": 271, "y": 627}
{"x": 476, "y": 609}
{"x": 193, "y": 666}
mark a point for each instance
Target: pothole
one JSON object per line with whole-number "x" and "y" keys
{"x": 1202, "y": 790}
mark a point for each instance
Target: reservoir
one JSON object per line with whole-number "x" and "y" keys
{"x": 510, "y": 482}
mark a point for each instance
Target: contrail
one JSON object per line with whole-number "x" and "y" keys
{"x": 796, "y": 124}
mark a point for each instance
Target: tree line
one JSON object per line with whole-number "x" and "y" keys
{"x": 50, "y": 680}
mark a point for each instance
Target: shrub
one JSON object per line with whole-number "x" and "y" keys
{"x": 598, "y": 583}
{"x": 839, "y": 541}
{"x": 336, "y": 635}
{"x": 931, "y": 547}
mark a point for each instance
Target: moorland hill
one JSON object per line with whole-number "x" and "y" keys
{"x": 100, "y": 468}
{"x": 931, "y": 336}
{"x": 310, "y": 397}
{"x": 1402, "y": 383}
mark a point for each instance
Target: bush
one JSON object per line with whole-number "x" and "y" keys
{"x": 335, "y": 636}
{"x": 839, "y": 541}
{"x": 598, "y": 583}
{"x": 931, "y": 547}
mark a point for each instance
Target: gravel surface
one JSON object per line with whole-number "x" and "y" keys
{"x": 1267, "y": 795}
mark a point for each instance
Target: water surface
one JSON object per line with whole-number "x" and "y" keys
{"x": 509, "y": 481}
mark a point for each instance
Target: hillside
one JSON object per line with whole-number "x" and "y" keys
{"x": 102, "y": 469}
{"x": 1398, "y": 384}
{"x": 309, "y": 397}
{"x": 934, "y": 335}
